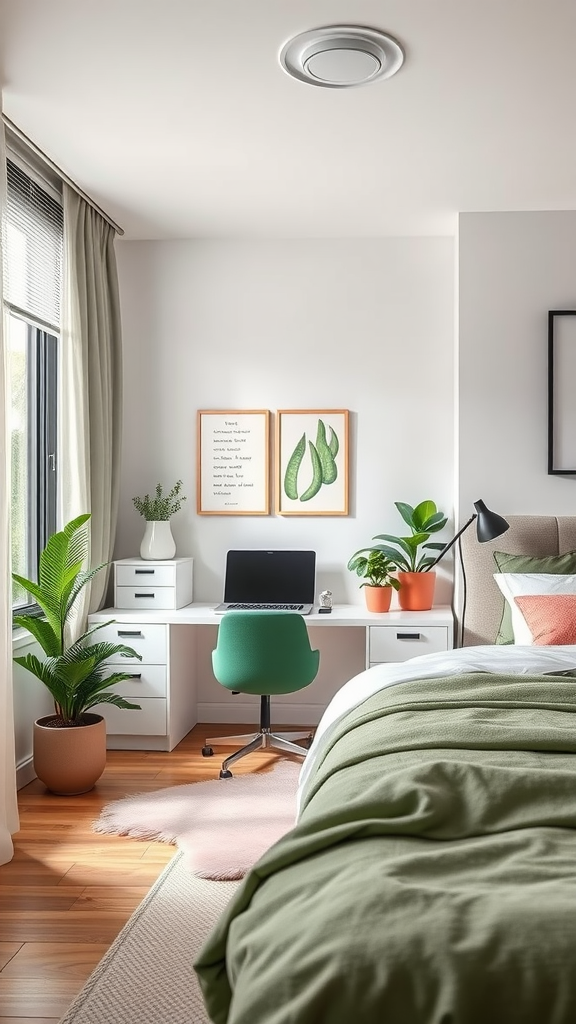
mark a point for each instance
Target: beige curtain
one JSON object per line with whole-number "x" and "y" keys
{"x": 91, "y": 380}
{"x": 8, "y": 803}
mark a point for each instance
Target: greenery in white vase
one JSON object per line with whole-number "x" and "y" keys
{"x": 160, "y": 507}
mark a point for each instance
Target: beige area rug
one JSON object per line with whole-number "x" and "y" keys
{"x": 146, "y": 977}
{"x": 223, "y": 826}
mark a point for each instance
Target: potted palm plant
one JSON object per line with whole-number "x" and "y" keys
{"x": 70, "y": 745}
{"x": 158, "y": 542}
{"x": 410, "y": 554}
{"x": 375, "y": 569}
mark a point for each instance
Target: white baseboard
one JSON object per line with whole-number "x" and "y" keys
{"x": 25, "y": 773}
{"x": 116, "y": 742}
{"x": 245, "y": 714}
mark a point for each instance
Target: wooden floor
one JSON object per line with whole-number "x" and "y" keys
{"x": 68, "y": 891}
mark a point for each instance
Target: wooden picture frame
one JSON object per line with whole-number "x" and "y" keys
{"x": 232, "y": 464}
{"x": 312, "y": 462}
{"x": 561, "y": 380}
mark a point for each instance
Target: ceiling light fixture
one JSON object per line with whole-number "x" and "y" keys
{"x": 341, "y": 56}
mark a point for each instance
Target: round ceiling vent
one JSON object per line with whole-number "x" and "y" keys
{"x": 341, "y": 56}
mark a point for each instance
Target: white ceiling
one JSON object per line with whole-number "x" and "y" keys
{"x": 176, "y": 117}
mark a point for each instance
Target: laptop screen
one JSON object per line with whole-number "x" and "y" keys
{"x": 271, "y": 577}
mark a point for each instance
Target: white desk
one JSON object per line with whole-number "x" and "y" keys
{"x": 175, "y": 656}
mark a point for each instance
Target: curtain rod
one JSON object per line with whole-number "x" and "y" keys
{"x": 54, "y": 167}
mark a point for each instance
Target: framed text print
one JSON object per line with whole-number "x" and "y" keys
{"x": 312, "y": 462}
{"x": 233, "y": 462}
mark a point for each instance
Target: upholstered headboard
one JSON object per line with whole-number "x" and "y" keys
{"x": 528, "y": 535}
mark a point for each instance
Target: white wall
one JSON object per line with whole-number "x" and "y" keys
{"x": 31, "y": 701}
{"x": 512, "y": 269}
{"x": 361, "y": 325}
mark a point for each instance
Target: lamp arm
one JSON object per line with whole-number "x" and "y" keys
{"x": 453, "y": 541}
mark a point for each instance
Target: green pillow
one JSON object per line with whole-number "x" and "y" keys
{"x": 559, "y": 565}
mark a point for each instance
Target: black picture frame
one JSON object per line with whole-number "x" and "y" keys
{"x": 556, "y": 413}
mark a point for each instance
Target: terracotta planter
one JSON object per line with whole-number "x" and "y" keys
{"x": 378, "y": 598}
{"x": 416, "y": 592}
{"x": 70, "y": 760}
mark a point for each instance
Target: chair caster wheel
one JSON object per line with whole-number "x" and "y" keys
{"x": 225, "y": 774}
{"x": 207, "y": 752}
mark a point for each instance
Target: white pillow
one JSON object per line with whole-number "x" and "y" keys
{"x": 517, "y": 584}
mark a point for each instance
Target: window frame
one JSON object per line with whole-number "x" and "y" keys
{"x": 42, "y": 453}
{"x": 43, "y": 390}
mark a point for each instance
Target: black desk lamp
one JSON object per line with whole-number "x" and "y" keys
{"x": 489, "y": 525}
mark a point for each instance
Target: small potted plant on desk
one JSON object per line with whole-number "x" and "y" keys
{"x": 70, "y": 745}
{"x": 375, "y": 569}
{"x": 417, "y": 582}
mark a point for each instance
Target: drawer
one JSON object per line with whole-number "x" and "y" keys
{"x": 147, "y": 574}
{"x": 151, "y": 720}
{"x": 145, "y": 681}
{"x": 146, "y": 597}
{"x": 398, "y": 643}
{"x": 148, "y": 639}
{"x": 144, "y": 583}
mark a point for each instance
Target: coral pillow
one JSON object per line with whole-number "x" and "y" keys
{"x": 551, "y": 618}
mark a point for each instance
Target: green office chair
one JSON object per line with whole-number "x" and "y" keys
{"x": 263, "y": 652}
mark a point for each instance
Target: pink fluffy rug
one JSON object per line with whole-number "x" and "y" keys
{"x": 223, "y": 825}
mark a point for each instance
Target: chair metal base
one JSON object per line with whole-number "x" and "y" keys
{"x": 265, "y": 739}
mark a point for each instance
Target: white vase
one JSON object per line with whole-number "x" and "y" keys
{"x": 158, "y": 541}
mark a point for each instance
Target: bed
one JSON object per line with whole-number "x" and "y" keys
{"x": 431, "y": 875}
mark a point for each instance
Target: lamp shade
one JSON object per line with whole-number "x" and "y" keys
{"x": 489, "y": 525}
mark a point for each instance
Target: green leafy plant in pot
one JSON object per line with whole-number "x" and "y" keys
{"x": 376, "y": 570}
{"x": 158, "y": 542}
{"x": 410, "y": 553}
{"x": 70, "y": 745}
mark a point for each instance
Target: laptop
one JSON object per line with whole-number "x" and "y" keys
{"x": 269, "y": 580}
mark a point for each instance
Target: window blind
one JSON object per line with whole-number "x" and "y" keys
{"x": 33, "y": 264}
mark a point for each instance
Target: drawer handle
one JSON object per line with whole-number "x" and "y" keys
{"x": 143, "y": 595}
{"x": 407, "y": 636}
{"x": 144, "y": 572}
{"x": 135, "y": 675}
{"x": 129, "y": 632}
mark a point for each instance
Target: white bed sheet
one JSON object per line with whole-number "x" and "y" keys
{"x": 495, "y": 658}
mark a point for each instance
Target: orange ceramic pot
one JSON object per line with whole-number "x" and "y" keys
{"x": 378, "y": 598}
{"x": 416, "y": 592}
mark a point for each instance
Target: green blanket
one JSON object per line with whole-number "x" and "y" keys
{"x": 431, "y": 878}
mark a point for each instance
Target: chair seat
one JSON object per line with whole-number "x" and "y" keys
{"x": 265, "y": 653}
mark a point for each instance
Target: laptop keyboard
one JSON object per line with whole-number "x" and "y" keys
{"x": 267, "y": 607}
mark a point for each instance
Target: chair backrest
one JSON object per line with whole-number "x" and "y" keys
{"x": 264, "y": 652}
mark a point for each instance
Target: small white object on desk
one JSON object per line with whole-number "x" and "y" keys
{"x": 140, "y": 583}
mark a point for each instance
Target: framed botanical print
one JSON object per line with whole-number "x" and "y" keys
{"x": 312, "y": 462}
{"x": 233, "y": 460}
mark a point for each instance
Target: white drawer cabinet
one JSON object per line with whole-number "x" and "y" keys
{"x": 163, "y": 683}
{"x": 148, "y": 639}
{"x": 398, "y": 643}
{"x": 409, "y": 636}
{"x": 149, "y": 585}
{"x": 145, "y": 598}
{"x": 150, "y": 720}
{"x": 144, "y": 681}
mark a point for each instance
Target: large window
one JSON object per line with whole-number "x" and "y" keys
{"x": 32, "y": 287}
